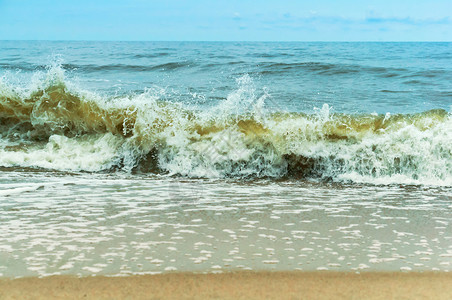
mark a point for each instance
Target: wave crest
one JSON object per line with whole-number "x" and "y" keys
{"x": 57, "y": 126}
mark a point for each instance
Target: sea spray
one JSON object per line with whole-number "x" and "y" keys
{"x": 56, "y": 125}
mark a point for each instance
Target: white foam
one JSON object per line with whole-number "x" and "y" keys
{"x": 240, "y": 138}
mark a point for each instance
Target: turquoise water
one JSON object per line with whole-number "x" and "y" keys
{"x": 350, "y": 77}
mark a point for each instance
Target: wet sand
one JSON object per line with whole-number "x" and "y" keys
{"x": 241, "y": 285}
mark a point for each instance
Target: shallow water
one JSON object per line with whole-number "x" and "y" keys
{"x": 88, "y": 224}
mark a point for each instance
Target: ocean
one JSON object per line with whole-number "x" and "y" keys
{"x": 121, "y": 158}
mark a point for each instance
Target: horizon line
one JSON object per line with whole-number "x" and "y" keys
{"x": 228, "y": 41}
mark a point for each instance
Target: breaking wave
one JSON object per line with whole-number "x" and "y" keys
{"x": 57, "y": 126}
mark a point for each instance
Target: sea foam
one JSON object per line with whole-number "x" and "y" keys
{"x": 56, "y": 125}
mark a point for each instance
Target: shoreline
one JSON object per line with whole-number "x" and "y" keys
{"x": 235, "y": 285}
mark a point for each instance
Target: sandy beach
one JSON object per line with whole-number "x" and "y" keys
{"x": 241, "y": 285}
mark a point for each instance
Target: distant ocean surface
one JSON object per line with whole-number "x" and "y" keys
{"x": 136, "y": 146}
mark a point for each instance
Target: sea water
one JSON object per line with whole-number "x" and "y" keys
{"x": 149, "y": 157}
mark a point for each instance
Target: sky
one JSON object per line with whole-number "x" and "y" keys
{"x": 226, "y": 20}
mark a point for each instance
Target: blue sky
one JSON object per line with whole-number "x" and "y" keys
{"x": 243, "y": 20}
